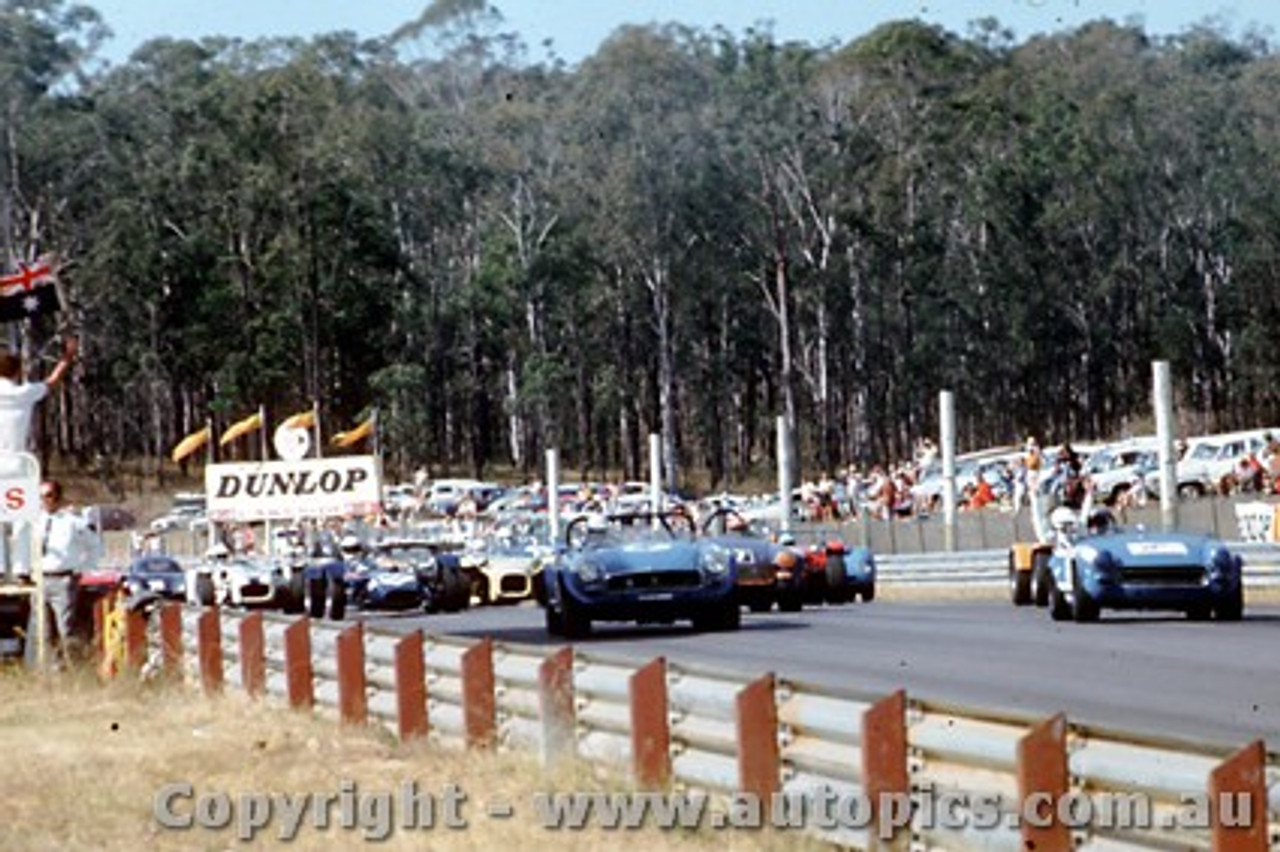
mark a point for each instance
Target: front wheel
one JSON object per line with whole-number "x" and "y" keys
{"x": 337, "y": 598}
{"x": 1059, "y": 608}
{"x": 1083, "y": 606}
{"x": 315, "y": 596}
{"x": 1232, "y": 608}
{"x": 1041, "y": 578}
{"x": 1019, "y": 584}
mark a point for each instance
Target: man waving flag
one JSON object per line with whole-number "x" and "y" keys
{"x": 29, "y": 292}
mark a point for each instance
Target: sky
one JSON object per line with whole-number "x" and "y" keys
{"x": 576, "y": 27}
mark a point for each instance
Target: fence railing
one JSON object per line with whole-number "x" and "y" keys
{"x": 995, "y": 528}
{"x": 857, "y": 769}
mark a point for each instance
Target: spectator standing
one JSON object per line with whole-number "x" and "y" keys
{"x": 70, "y": 546}
{"x": 18, "y": 401}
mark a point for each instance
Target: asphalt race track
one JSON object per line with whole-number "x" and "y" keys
{"x": 1151, "y": 673}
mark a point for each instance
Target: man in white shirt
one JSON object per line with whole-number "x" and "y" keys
{"x": 70, "y": 546}
{"x": 18, "y": 398}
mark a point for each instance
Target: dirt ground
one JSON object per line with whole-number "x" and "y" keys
{"x": 99, "y": 767}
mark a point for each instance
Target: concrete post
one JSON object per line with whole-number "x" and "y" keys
{"x": 1162, "y": 402}
{"x": 784, "y": 473}
{"x": 947, "y": 439}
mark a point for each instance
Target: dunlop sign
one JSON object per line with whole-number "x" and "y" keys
{"x": 284, "y": 490}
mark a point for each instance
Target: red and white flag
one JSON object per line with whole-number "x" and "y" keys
{"x": 29, "y": 292}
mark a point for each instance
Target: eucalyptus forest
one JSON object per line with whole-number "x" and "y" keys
{"x": 689, "y": 233}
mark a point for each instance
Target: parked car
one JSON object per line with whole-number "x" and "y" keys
{"x": 1211, "y": 462}
{"x": 1118, "y": 470}
{"x": 1101, "y": 566}
{"x": 643, "y": 568}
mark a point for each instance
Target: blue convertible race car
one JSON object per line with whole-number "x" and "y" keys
{"x": 1105, "y": 567}
{"x": 642, "y": 567}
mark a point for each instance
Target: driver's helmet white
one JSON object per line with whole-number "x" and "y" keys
{"x": 786, "y": 539}
{"x": 1064, "y": 520}
{"x": 217, "y": 551}
{"x": 350, "y": 545}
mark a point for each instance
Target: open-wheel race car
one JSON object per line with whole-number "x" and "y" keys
{"x": 643, "y": 567}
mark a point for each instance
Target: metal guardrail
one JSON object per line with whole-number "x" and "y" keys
{"x": 711, "y": 731}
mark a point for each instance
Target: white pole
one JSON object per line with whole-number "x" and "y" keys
{"x": 553, "y": 496}
{"x": 1162, "y": 402}
{"x": 655, "y": 472}
{"x": 947, "y": 438}
{"x": 784, "y": 473}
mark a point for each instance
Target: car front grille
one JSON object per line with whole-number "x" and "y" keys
{"x": 678, "y": 579}
{"x": 1181, "y": 575}
{"x": 514, "y": 584}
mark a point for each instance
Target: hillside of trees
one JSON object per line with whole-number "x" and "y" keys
{"x": 688, "y": 233}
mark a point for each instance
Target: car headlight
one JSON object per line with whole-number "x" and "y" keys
{"x": 715, "y": 560}
{"x": 588, "y": 571}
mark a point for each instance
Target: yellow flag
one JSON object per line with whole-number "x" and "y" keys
{"x": 191, "y": 443}
{"x": 250, "y": 424}
{"x": 302, "y": 420}
{"x": 353, "y": 436}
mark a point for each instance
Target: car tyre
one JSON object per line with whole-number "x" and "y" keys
{"x": 869, "y": 593}
{"x": 204, "y": 590}
{"x": 1019, "y": 584}
{"x": 1059, "y": 608}
{"x": 837, "y": 576}
{"x": 295, "y": 594}
{"x": 1041, "y": 579}
{"x": 316, "y": 596}
{"x": 790, "y": 600}
{"x": 337, "y": 599}
{"x": 1083, "y": 607}
{"x": 1232, "y": 608}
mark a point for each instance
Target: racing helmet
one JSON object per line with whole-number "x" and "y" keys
{"x": 350, "y": 545}
{"x": 217, "y": 551}
{"x": 1064, "y": 520}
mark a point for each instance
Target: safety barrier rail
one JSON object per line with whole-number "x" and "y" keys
{"x": 890, "y": 768}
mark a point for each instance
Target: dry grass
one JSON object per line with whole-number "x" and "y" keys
{"x": 87, "y": 762}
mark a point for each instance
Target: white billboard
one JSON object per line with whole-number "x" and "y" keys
{"x": 343, "y": 486}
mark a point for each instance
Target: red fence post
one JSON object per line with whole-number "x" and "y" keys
{"x": 1043, "y": 772}
{"x": 650, "y": 726}
{"x": 884, "y": 762}
{"x": 171, "y": 639}
{"x": 297, "y": 664}
{"x": 209, "y": 647}
{"x": 758, "y": 757}
{"x": 1241, "y": 778}
{"x": 253, "y": 655}
{"x": 555, "y": 704}
{"x": 411, "y": 687}
{"x": 135, "y": 640}
{"x": 353, "y": 701}
{"x": 479, "y": 706}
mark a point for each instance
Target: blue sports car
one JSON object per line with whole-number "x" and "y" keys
{"x": 643, "y": 567}
{"x": 1105, "y": 567}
